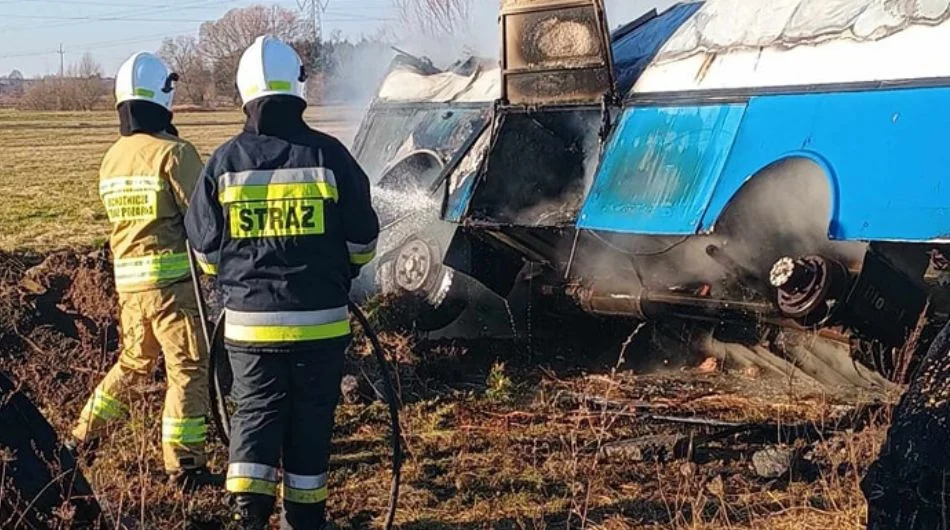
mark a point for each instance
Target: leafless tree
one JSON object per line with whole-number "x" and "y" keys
{"x": 82, "y": 88}
{"x": 86, "y": 86}
{"x": 184, "y": 58}
{"x": 435, "y": 17}
{"x": 223, "y": 41}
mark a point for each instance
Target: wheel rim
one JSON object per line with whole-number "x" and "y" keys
{"x": 413, "y": 266}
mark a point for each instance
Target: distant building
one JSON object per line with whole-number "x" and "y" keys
{"x": 13, "y": 85}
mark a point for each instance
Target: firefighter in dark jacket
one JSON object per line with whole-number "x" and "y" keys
{"x": 282, "y": 215}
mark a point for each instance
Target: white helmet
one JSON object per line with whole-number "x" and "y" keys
{"x": 270, "y": 67}
{"x": 145, "y": 77}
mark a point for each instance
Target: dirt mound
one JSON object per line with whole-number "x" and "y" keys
{"x": 55, "y": 315}
{"x": 75, "y": 294}
{"x": 13, "y": 314}
{"x": 59, "y": 315}
{"x": 58, "y": 337}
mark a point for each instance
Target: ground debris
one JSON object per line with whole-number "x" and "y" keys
{"x": 652, "y": 448}
{"x": 906, "y": 486}
{"x": 350, "y": 389}
{"x": 774, "y": 461}
{"x": 556, "y": 452}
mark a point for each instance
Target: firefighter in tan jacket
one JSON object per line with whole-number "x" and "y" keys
{"x": 145, "y": 183}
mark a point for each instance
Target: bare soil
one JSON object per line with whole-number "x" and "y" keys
{"x": 559, "y": 432}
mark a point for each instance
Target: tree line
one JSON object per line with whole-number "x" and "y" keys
{"x": 207, "y": 63}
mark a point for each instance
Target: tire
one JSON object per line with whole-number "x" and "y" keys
{"x": 415, "y": 268}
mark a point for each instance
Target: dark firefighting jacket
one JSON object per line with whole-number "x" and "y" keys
{"x": 282, "y": 215}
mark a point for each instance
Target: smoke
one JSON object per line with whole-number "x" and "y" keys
{"x": 360, "y": 68}
{"x": 784, "y": 211}
{"x": 357, "y": 69}
{"x": 478, "y": 35}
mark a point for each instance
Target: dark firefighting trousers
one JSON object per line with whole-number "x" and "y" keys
{"x": 284, "y": 419}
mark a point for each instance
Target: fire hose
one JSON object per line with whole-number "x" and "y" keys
{"x": 219, "y": 410}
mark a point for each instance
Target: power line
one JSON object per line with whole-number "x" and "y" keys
{"x": 122, "y": 15}
{"x": 105, "y": 44}
{"x": 85, "y": 3}
{"x": 104, "y": 19}
{"x": 320, "y": 13}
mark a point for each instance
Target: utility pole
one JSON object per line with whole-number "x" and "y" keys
{"x": 62, "y": 60}
{"x": 314, "y": 10}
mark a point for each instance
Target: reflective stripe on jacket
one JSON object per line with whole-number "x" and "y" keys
{"x": 284, "y": 220}
{"x": 145, "y": 183}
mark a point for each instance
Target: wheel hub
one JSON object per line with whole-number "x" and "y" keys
{"x": 413, "y": 266}
{"x": 809, "y": 288}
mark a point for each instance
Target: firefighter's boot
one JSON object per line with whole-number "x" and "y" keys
{"x": 251, "y": 512}
{"x": 190, "y": 480}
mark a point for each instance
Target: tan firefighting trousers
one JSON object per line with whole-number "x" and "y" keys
{"x": 154, "y": 321}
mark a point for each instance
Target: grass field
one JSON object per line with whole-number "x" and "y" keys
{"x": 49, "y": 165}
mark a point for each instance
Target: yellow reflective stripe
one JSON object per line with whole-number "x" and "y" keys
{"x": 251, "y": 485}
{"x": 302, "y": 496}
{"x": 361, "y": 253}
{"x": 208, "y": 268}
{"x": 104, "y": 406}
{"x": 208, "y": 263}
{"x": 278, "y": 85}
{"x": 244, "y": 333}
{"x": 151, "y": 268}
{"x": 144, "y": 92}
{"x": 184, "y": 430}
{"x": 363, "y": 258}
{"x": 276, "y": 192}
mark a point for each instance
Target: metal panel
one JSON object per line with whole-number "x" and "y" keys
{"x": 461, "y": 180}
{"x": 660, "y": 169}
{"x": 539, "y": 168}
{"x": 884, "y": 153}
{"x": 555, "y": 52}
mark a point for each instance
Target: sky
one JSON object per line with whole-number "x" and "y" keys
{"x": 31, "y": 31}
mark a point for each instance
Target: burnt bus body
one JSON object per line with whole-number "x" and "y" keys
{"x": 788, "y": 177}
{"x": 420, "y": 122}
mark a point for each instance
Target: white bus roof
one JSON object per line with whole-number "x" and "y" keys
{"x": 767, "y": 43}
{"x": 407, "y": 85}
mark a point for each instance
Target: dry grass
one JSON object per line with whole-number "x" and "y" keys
{"x": 533, "y": 459}
{"x": 495, "y": 440}
{"x": 499, "y": 437}
{"x": 50, "y": 160}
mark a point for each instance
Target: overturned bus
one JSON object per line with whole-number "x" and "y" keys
{"x": 777, "y": 164}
